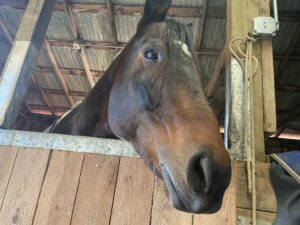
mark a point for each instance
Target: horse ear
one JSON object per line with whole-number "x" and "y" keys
{"x": 154, "y": 11}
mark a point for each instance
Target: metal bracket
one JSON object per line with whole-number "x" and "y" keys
{"x": 266, "y": 27}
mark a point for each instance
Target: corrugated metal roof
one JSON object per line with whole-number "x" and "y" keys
{"x": 43, "y": 59}
{"x": 11, "y": 18}
{"x": 100, "y": 59}
{"x": 67, "y": 57}
{"x": 59, "y": 27}
{"x": 58, "y": 100}
{"x": 216, "y": 3}
{"x": 34, "y": 98}
{"x": 94, "y": 26}
{"x": 47, "y": 80}
{"x": 77, "y": 83}
{"x": 126, "y": 26}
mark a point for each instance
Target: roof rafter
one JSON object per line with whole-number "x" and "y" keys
{"x": 111, "y": 14}
{"x": 59, "y": 92}
{"x": 58, "y": 73}
{"x": 75, "y": 72}
{"x": 86, "y": 66}
{"x": 71, "y": 18}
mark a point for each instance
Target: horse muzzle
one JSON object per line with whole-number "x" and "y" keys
{"x": 202, "y": 187}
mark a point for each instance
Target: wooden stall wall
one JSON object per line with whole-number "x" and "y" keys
{"x": 44, "y": 187}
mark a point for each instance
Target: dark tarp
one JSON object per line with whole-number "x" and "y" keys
{"x": 285, "y": 178}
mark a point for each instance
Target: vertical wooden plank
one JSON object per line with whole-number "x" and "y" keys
{"x": 263, "y": 218}
{"x": 257, "y": 107}
{"x": 23, "y": 190}
{"x": 268, "y": 77}
{"x": 96, "y": 190}
{"x": 21, "y": 60}
{"x": 163, "y": 212}
{"x": 263, "y": 186}
{"x": 59, "y": 190}
{"x": 227, "y": 214}
{"x": 133, "y": 197}
{"x": 7, "y": 161}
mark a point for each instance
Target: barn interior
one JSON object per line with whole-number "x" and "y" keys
{"x": 84, "y": 36}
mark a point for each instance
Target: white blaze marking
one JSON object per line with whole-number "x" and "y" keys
{"x": 184, "y": 48}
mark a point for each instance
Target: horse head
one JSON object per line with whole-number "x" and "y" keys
{"x": 157, "y": 103}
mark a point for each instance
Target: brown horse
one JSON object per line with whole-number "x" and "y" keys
{"x": 152, "y": 97}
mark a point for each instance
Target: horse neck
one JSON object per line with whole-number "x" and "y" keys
{"x": 90, "y": 118}
{"x": 94, "y": 109}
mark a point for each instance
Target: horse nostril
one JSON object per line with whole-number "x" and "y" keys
{"x": 200, "y": 174}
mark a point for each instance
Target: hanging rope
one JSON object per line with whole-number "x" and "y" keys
{"x": 242, "y": 49}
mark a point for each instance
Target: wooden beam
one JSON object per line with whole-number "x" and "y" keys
{"x": 95, "y": 45}
{"x": 71, "y": 18}
{"x": 244, "y": 217}
{"x": 58, "y": 73}
{"x": 111, "y": 14}
{"x": 215, "y": 78}
{"x": 22, "y": 58}
{"x": 138, "y": 10}
{"x": 34, "y": 80}
{"x": 268, "y": 76}
{"x": 74, "y": 72}
{"x": 86, "y": 66}
{"x": 44, "y": 110}
{"x": 50, "y": 91}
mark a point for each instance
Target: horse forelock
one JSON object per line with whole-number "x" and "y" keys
{"x": 178, "y": 41}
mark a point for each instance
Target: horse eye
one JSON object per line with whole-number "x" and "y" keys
{"x": 151, "y": 55}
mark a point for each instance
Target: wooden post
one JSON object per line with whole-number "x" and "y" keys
{"x": 21, "y": 60}
{"x": 269, "y": 103}
{"x": 241, "y": 14}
